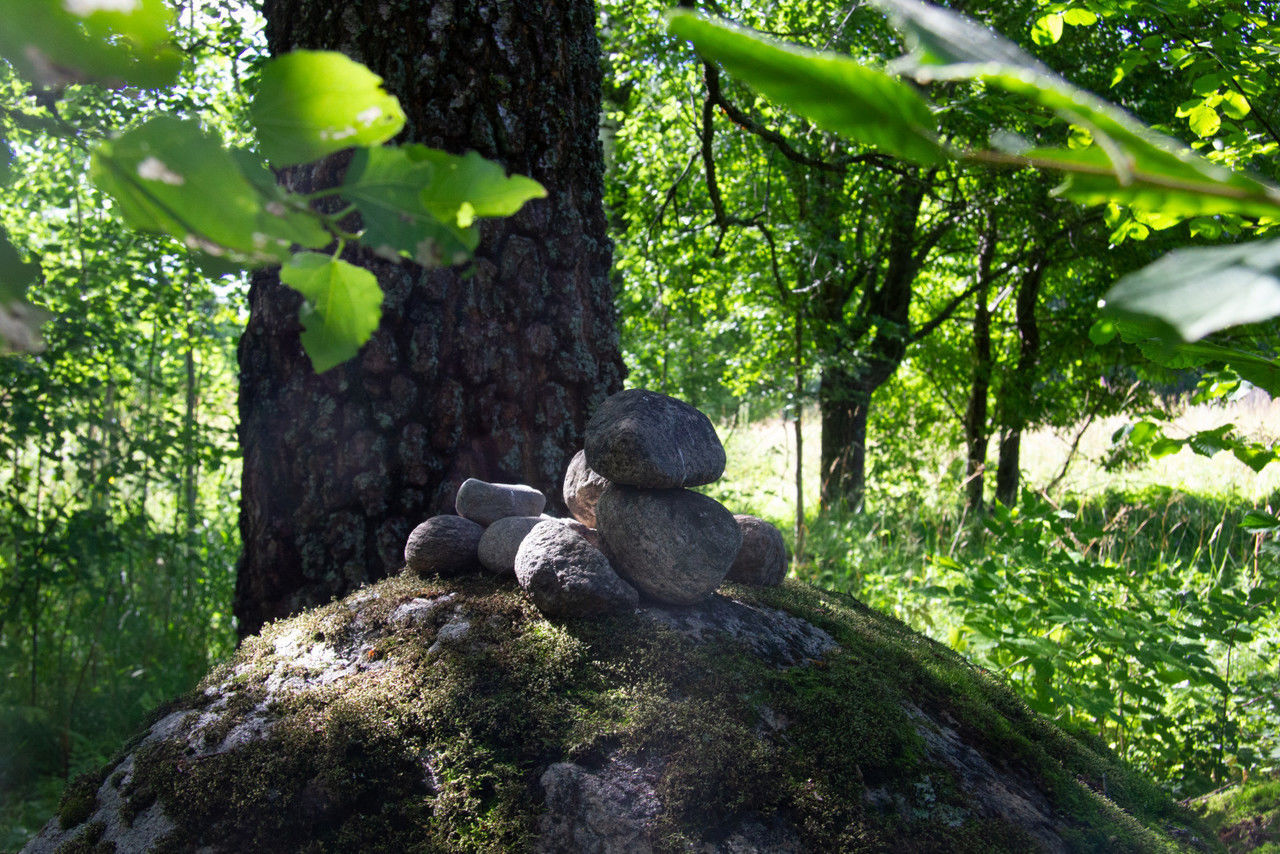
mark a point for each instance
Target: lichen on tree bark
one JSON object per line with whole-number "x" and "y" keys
{"x": 489, "y": 370}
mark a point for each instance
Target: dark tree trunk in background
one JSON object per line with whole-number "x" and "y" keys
{"x": 1017, "y": 396}
{"x": 975, "y": 416}
{"x": 490, "y": 374}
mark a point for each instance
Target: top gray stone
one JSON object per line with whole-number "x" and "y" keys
{"x": 486, "y": 503}
{"x": 645, "y": 439}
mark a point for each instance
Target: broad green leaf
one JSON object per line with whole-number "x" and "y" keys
{"x": 1206, "y": 443}
{"x": 1256, "y": 521}
{"x": 1164, "y": 446}
{"x": 1235, "y": 105}
{"x": 170, "y": 176}
{"x": 470, "y": 186}
{"x": 1204, "y": 120}
{"x": 1202, "y": 290}
{"x": 1078, "y": 17}
{"x": 387, "y": 185}
{"x": 1131, "y": 163}
{"x": 55, "y": 42}
{"x": 1255, "y": 457}
{"x": 1102, "y": 331}
{"x": 832, "y": 91}
{"x": 1047, "y": 29}
{"x": 311, "y": 103}
{"x": 344, "y": 305}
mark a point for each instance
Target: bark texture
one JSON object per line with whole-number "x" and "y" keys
{"x": 1018, "y": 391}
{"x": 488, "y": 371}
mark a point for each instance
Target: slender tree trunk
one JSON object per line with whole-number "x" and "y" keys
{"x": 844, "y": 400}
{"x": 488, "y": 372}
{"x": 798, "y": 402}
{"x": 975, "y": 417}
{"x": 1018, "y": 388}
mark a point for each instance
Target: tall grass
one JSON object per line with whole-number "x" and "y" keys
{"x": 1153, "y": 553}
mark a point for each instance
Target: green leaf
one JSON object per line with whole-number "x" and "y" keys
{"x": 1130, "y": 163}
{"x": 1102, "y": 331}
{"x": 1204, "y": 120}
{"x": 1078, "y": 17}
{"x": 55, "y": 42}
{"x": 344, "y": 305}
{"x": 6, "y": 163}
{"x": 1047, "y": 29}
{"x": 312, "y": 103}
{"x": 170, "y": 176}
{"x": 470, "y": 186}
{"x": 1258, "y": 522}
{"x": 386, "y": 185}
{"x": 1255, "y": 457}
{"x": 1202, "y": 290}
{"x": 1235, "y": 105}
{"x": 832, "y": 91}
{"x": 1164, "y": 447}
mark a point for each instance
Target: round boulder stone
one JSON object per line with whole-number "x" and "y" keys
{"x": 582, "y": 488}
{"x": 486, "y": 503}
{"x": 443, "y": 545}
{"x": 762, "y": 560}
{"x": 673, "y": 545}
{"x": 501, "y": 541}
{"x": 642, "y": 438}
{"x": 566, "y": 576}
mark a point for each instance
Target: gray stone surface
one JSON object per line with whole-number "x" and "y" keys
{"x": 444, "y": 545}
{"x": 591, "y": 535}
{"x": 566, "y": 576}
{"x": 777, "y": 637}
{"x": 673, "y": 545}
{"x": 582, "y": 489}
{"x": 762, "y": 560}
{"x": 642, "y": 438}
{"x": 486, "y": 503}
{"x": 501, "y": 541}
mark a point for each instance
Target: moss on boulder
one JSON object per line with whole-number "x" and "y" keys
{"x": 449, "y": 715}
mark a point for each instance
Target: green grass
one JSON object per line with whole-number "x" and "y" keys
{"x": 1169, "y": 572}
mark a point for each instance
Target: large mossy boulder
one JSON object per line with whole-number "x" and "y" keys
{"x": 448, "y": 714}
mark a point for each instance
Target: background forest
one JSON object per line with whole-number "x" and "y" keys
{"x": 906, "y": 363}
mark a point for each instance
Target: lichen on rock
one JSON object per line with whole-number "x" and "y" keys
{"x": 451, "y": 715}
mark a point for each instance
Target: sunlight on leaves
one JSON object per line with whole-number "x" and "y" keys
{"x": 343, "y": 307}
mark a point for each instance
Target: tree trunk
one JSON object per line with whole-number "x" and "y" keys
{"x": 1017, "y": 397}
{"x": 489, "y": 371}
{"x": 844, "y": 402}
{"x": 975, "y": 416}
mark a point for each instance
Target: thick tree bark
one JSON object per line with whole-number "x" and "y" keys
{"x": 487, "y": 371}
{"x": 1017, "y": 394}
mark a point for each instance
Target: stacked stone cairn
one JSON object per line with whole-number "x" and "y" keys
{"x": 638, "y": 531}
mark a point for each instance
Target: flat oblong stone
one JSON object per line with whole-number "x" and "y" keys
{"x": 486, "y": 503}
{"x": 443, "y": 545}
{"x": 673, "y": 545}
{"x": 762, "y": 560}
{"x": 566, "y": 576}
{"x": 642, "y": 438}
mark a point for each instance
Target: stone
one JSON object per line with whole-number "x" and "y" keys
{"x": 566, "y": 576}
{"x": 762, "y": 560}
{"x": 501, "y": 541}
{"x": 443, "y": 545}
{"x": 582, "y": 489}
{"x": 673, "y": 545}
{"x": 486, "y": 503}
{"x": 642, "y": 438}
{"x": 591, "y": 535}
